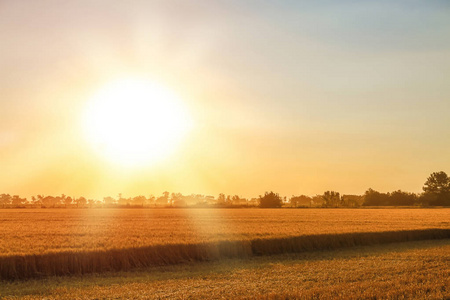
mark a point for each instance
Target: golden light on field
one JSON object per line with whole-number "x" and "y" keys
{"x": 135, "y": 122}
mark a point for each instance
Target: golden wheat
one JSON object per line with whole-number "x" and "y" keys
{"x": 36, "y": 231}
{"x": 251, "y": 232}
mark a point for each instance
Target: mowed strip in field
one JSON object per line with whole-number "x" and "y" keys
{"x": 413, "y": 270}
{"x": 40, "y": 231}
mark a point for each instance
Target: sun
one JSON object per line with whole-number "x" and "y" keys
{"x": 135, "y": 122}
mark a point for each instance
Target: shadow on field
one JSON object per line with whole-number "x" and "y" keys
{"x": 77, "y": 263}
{"x": 203, "y": 270}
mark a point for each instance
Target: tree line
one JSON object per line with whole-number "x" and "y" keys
{"x": 436, "y": 192}
{"x": 165, "y": 200}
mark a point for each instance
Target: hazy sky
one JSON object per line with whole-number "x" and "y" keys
{"x": 298, "y": 97}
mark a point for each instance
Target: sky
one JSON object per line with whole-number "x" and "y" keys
{"x": 298, "y": 97}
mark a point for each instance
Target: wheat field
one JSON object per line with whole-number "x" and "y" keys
{"x": 37, "y": 243}
{"x": 42, "y": 231}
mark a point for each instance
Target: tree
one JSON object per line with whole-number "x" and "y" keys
{"x": 49, "y": 201}
{"x": 437, "y": 189}
{"x": 351, "y": 200}
{"x": 164, "y": 199}
{"x": 236, "y": 200}
{"x": 37, "y": 201}
{"x": 81, "y": 202}
{"x": 399, "y": 198}
{"x": 301, "y": 200}
{"x": 316, "y": 201}
{"x": 138, "y": 200}
{"x": 123, "y": 201}
{"x": 270, "y": 200}
{"x": 68, "y": 201}
{"x": 177, "y": 200}
{"x": 5, "y": 199}
{"x": 331, "y": 199}
{"x": 16, "y": 201}
{"x": 109, "y": 201}
{"x": 175, "y": 197}
{"x": 221, "y": 199}
{"x": 151, "y": 200}
{"x": 437, "y": 182}
{"x": 63, "y": 199}
{"x": 166, "y": 196}
{"x": 374, "y": 198}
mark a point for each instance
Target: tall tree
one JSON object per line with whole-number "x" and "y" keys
{"x": 437, "y": 182}
{"x": 437, "y": 189}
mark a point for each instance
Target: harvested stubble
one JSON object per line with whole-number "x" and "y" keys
{"x": 71, "y": 262}
{"x": 414, "y": 270}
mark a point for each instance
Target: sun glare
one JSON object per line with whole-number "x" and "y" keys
{"x": 134, "y": 122}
